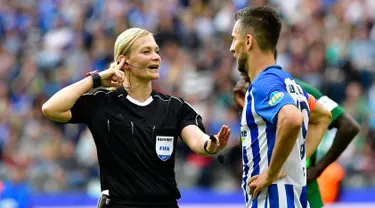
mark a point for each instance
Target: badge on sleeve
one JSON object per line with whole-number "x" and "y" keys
{"x": 164, "y": 147}
{"x": 275, "y": 98}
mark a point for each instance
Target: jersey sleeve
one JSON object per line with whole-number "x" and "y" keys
{"x": 269, "y": 96}
{"x": 188, "y": 116}
{"x": 86, "y": 106}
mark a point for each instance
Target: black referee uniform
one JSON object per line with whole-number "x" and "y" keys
{"x": 136, "y": 144}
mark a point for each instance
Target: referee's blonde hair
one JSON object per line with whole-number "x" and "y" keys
{"x": 126, "y": 39}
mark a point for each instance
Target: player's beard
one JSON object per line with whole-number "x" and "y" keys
{"x": 242, "y": 63}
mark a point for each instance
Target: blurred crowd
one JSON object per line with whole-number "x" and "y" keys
{"x": 48, "y": 44}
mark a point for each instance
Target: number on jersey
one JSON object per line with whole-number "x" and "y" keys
{"x": 301, "y": 102}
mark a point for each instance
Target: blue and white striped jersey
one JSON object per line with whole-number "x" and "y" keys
{"x": 272, "y": 89}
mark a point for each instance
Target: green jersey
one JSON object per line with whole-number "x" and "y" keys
{"x": 313, "y": 193}
{"x": 336, "y": 112}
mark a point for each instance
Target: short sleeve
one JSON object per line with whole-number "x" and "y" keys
{"x": 86, "y": 106}
{"x": 188, "y": 116}
{"x": 269, "y": 96}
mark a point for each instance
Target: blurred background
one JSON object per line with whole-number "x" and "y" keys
{"x": 48, "y": 44}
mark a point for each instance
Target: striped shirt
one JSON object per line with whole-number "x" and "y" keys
{"x": 272, "y": 89}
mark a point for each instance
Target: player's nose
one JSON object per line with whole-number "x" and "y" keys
{"x": 232, "y": 49}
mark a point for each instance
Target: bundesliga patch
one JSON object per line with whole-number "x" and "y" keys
{"x": 275, "y": 98}
{"x": 164, "y": 147}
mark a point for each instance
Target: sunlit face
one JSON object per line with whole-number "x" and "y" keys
{"x": 238, "y": 47}
{"x": 145, "y": 55}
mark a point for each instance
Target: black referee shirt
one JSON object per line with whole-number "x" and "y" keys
{"x": 136, "y": 143}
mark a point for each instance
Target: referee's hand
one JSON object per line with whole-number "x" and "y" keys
{"x": 221, "y": 142}
{"x": 113, "y": 76}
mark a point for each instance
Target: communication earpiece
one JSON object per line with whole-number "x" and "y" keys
{"x": 127, "y": 64}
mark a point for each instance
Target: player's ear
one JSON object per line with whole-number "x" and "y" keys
{"x": 249, "y": 41}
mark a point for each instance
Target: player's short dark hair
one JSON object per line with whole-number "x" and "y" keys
{"x": 263, "y": 23}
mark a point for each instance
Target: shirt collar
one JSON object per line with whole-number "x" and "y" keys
{"x": 123, "y": 96}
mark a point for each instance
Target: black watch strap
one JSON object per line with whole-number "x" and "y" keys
{"x": 213, "y": 140}
{"x": 220, "y": 158}
{"x": 97, "y": 81}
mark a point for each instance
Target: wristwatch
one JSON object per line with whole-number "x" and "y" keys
{"x": 213, "y": 140}
{"x": 97, "y": 81}
{"x": 220, "y": 158}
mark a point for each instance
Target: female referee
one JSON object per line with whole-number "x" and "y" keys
{"x": 135, "y": 128}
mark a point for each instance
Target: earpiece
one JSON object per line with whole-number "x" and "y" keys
{"x": 129, "y": 65}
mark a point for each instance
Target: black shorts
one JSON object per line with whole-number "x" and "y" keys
{"x": 151, "y": 206}
{"x": 143, "y": 204}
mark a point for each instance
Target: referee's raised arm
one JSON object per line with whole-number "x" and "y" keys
{"x": 58, "y": 107}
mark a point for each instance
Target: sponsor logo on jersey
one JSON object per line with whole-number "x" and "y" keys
{"x": 243, "y": 135}
{"x": 275, "y": 98}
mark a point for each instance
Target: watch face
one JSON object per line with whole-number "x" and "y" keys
{"x": 213, "y": 138}
{"x": 91, "y": 72}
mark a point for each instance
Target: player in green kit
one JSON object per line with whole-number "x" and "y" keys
{"x": 342, "y": 130}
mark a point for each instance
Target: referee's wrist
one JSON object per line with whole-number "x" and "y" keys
{"x": 96, "y": 79}
{"x": 212, "y": 140}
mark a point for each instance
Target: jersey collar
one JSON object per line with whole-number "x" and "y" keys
{"x": 136, "y": 102}
{"x": 272, "y": 66}
{"x": 123, "y": 96}
{"x": 265, "y": 69}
